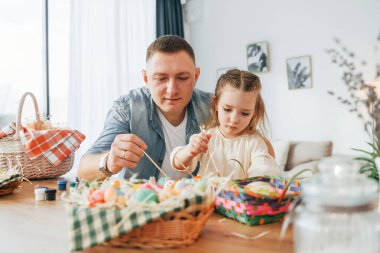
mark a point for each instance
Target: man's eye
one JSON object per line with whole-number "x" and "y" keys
{"x": 183, "y": 78}
{"x": 160, "y": 79}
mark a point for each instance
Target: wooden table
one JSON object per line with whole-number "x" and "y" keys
{"x": 32, "y": 226}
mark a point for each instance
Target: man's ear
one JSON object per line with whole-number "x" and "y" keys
{"x": 145, "y": 76}
{"x": 197, "y": 73}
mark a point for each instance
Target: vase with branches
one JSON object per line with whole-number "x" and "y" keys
{"x": 363, "y": 99}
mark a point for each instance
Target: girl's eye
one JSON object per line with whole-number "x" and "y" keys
{"x": 227, "y": 110}
{"x": 245, "y": 114}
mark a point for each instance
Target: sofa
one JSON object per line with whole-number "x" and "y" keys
{"x": 294, "y": 156}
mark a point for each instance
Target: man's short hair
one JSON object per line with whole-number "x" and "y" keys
{"x": 169, "y": 44}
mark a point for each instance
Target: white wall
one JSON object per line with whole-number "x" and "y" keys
{"x": 292, "y": 28}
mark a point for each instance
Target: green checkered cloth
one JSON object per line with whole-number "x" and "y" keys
{"x": 92, "y": 226}
{"x": 12, "y": 178}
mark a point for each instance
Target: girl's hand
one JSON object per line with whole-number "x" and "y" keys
{"x": 198, "y": 144}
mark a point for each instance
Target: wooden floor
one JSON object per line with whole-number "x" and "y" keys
{"x": 33, "y": 226}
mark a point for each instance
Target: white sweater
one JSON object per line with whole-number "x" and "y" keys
{"x": 249, "y": 149}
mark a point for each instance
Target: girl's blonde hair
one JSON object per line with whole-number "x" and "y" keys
{"x": 245, "y": 81}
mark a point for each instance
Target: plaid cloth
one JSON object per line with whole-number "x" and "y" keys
{"x": 55, "y": 144}
{"x": 8, "y": 130}
{"x": 92, "y": 226}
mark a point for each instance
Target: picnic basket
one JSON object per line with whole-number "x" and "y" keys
{"x": 175, "y": 229}
{"x": 9, "y": 188}
{"x": 234, "y": 202}
{"x": 12, "y": 151}
{"x": 10, "y": 180}
{"x": 172, "y": 222}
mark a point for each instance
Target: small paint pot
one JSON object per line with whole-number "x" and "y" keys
{"x": 50, "y": 194}
{"x": 61, "y": 185}
{"x": 40, "y": 193}
{"x": 73, "y": 185}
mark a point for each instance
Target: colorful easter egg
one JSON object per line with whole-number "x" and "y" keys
{"x": 121, "y": 200}
{"x": 116, "y": 183}
{"x": 169, "y": 183}
{"x": 197, "y": 178}
{"x": 110, "y": 195}
{"x": 162, "y": 181}
{"x": 95, "y": 197}
{"x": 261, "y": 190}
{"x": 200, "y": 186}
{"x": 181, "y": 184}
{"x": 135, "y": 187}
{"x": 165, "y": 194}
{"x": 145, "y": 195}
{"x": 152, "y": 186}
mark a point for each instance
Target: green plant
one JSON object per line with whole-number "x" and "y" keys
{"x": 368, "y": 159}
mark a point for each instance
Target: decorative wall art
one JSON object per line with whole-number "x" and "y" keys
{"x": 299, "y": 72}
{"x": 257, "y": 57}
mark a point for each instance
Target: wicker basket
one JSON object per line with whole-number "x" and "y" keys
{"x": 175, "y": 229}
{"x": 235, "y": 203}
{"x": 12, "y": 151}
{"x": 9, "y": 188}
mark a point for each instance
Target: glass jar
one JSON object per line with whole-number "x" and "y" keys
{"x": 338, "y": 212}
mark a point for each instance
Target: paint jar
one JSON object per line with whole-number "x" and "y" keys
{"x": 61, "y": 185}
{"x": 40, "y": 194}
{"x": 50, "y": 194}
{"x": 73, "y": 185}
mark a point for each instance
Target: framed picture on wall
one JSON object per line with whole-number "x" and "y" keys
{"x": 221, "y": 71}
{"x": 257, "y": 57}
{"x": 299, "y": 72}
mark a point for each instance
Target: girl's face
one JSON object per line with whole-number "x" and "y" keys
{"x": 235, "y": 110}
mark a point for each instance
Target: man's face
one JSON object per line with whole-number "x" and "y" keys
{"x": 171, "y": 78}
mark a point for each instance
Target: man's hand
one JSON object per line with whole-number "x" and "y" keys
{"x": 126, "y": 151}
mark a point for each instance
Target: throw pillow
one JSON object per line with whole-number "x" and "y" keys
{"x": 281, "y": 150}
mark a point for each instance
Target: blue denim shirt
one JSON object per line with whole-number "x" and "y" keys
{"x": 136, "y": 113}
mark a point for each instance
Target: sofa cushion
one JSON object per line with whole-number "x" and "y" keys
{"x": 307, "y": 151}
{"x": 313, "y": 166}
{"x": 281, "y": 150}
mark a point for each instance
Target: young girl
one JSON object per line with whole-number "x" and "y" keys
{"x": 232, "y": 138}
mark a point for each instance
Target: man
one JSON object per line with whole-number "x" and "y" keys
{"x": 152, "y": 119}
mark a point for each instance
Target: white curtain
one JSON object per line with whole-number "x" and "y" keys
{"x": 107, "y": 53}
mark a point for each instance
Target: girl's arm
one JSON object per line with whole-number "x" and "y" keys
{"x": 262, "y": 162}
{"x": 269, "y": 146}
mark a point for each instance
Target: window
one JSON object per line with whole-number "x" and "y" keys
{"x": 23, "y": 54}
{"x": 21, "y": 62}
{"x": 59, "y": 53}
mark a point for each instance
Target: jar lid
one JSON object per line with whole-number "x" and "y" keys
{"x": 339, "y": 184}
{"x": 51, "y": 190}
{"x": 39, "y": 190}
{"x": 61, "y": 182}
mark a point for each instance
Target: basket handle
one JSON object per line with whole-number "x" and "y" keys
{"x": 19, "y": 113}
